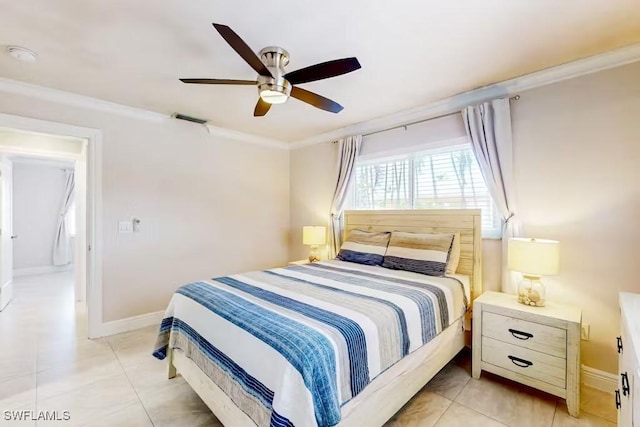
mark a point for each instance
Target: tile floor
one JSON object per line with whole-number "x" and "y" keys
{"x": 46, "y": 364}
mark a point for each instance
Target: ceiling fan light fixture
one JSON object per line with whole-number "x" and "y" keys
{"x": 274, "y": 90}
{"x": 273, "y": 97}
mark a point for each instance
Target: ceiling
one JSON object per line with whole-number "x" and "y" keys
{"x": 413, "y": 53}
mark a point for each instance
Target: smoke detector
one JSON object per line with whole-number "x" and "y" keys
{"x": 22, "y": 53}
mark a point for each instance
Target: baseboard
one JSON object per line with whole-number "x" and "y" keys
{"x": 45, "y": 269}
{"x": 129, "y": 324}
{"x": 598, "y": 379}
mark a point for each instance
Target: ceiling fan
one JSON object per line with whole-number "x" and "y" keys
{"x": 274, "y": 85}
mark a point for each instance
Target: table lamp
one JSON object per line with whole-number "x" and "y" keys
{"x": 533, "y": 258}
{"x": 314, "y": 236}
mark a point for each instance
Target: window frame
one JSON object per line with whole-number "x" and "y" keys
{"x": 410, "y": 153}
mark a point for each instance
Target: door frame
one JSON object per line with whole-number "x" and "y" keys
{"x": 6, "y": 236}
{"x": 93, "y": 196}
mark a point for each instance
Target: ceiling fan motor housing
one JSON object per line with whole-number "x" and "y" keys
{"x": 275, "y": 59}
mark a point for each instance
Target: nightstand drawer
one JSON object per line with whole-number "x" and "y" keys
{"x": 533, "y": 364}
{"x": 531, "y": 335}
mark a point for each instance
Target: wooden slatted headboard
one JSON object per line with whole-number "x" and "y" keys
{"x": 463, "y": 221}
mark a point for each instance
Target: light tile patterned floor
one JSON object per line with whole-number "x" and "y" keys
{"x": 47, "y": 364}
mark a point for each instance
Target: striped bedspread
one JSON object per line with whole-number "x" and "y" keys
{"x": 291, "y": 345}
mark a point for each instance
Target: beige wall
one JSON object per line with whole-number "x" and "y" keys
{"x": 208, "y": 206}
{"x": 576, "y": 156}
{"x": 576, "y": 160}
{"x": 313, "y": 181}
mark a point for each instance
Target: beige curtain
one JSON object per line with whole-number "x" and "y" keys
{"x": 488, "y": 127}
{"x": 349, "y": 149}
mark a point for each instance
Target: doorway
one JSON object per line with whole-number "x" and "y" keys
{"x": 41, "y": 193}
{"x": 35, "y": 148}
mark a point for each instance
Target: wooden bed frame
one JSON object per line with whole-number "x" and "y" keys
{"x": 392, "y": 389}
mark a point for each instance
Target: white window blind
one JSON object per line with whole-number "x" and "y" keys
{"x": 442, "y": 178}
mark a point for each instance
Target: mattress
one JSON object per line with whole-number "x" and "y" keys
{"x": 291, "y": 346}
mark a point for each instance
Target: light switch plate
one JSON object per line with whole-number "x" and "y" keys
{"x": 125, "y": 227}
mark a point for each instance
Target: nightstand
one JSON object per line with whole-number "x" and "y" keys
{"x": 536, "y": 346}
{"x": 299, "y": 262}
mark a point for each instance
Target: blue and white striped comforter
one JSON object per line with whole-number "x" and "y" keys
{"x": 291, "y": 345}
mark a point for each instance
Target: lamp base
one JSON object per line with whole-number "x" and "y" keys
{"x": 531, "y": 291}
{"x": 314, "y": 255}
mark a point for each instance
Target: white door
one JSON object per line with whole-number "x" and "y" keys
{"x": 6, "y": 233}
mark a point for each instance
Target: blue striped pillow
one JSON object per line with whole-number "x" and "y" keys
{"x": 364, "y": 247}
{"x": 421, "y": 253}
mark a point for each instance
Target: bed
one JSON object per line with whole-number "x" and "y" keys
{"x": 260, "y": 349}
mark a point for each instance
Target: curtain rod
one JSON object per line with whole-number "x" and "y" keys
{"x": 513, "y": 98}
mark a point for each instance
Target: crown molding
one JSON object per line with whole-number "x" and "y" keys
{"x": 81, "y": 101}
{"x": 569, "y": 70}
{"x": 246, "y": 137}
{"x": 592, "y": 64}
{"x": 74, "y": 100}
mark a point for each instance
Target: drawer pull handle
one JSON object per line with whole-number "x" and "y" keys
{"x": 625, "y": 384}
{"x": 618, "y": 403}
{"x": 520, "y": 362}
{"x": 619, "y": 339}
{"x": 520, "y": 335}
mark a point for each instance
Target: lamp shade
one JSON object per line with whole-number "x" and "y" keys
{"x": 538, "y": 257}
{"x": 314, "y": 235}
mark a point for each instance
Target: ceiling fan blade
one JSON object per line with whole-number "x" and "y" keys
{"x": 323, "y": 70}
{"x": 261, "y": 109}
{"x": 316, "y": 100}
{"x": 219, "y": 81}
{"x": 242, "y": 49}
